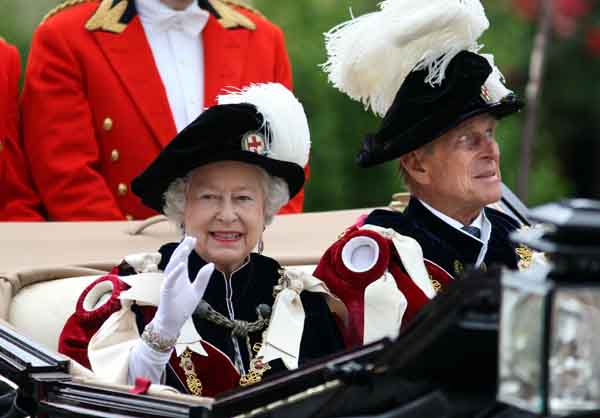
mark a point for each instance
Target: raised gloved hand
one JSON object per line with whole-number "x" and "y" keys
{"x": 178, "y": 296}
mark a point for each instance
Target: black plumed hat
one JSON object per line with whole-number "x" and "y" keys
{"x": 416, "y": 64}
{"x": 421, "y": 112}
{"x": 263, "y": 125}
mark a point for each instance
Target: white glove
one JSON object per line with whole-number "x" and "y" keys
{"x": 178, "y": 296}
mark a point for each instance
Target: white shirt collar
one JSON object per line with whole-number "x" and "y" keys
{"x": 480, "y": 222}
{"x": 155, "y": 14}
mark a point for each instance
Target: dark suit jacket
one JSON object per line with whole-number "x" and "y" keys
{"x": 446, "y": 246}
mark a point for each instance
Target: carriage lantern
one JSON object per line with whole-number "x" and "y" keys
{"x": 549, "y": 356}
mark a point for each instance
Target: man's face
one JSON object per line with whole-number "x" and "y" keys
{"x": 463, "y": 166}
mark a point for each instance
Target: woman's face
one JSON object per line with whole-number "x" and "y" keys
{"x": 224, "y": 210}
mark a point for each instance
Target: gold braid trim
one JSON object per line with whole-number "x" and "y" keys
{"x": 64, "y": 5}
{"x": 244, "y": 5}
{"x": 108, "y": 17}
{"x": 524, "y": 253}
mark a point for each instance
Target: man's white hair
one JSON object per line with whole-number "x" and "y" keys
{"x": 275, "y": 189}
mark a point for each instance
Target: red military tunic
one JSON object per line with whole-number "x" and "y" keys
{"x": 18, "y": 200}
{"x": 96, "y": 112}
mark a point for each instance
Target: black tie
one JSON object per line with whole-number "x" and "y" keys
{"x": 473, "y": 230}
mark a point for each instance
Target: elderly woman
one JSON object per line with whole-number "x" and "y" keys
{"x": 224, "y": 314}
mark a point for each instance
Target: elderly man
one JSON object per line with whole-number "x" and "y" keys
{"x": 18, "y": 200}
{"x": 109, "y": 83}
{"x": 452, "y": 171}
{"x": 441, "y": 106}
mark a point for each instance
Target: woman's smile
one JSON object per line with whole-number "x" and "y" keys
{"x": 226, "y": 237}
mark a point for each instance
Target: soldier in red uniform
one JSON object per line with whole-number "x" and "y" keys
{"x": 18, "y": 200}
{"x": 109, "y": 83}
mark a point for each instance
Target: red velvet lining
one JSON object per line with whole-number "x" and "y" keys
{"x": 350, "y": 286}
{"x": 82, "y": 325}
{"x": 363, "y": 279}
{"x": 141, "y": 386}
{"x": 100, "y": 314}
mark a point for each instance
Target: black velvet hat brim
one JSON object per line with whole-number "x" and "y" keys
{"x": 421, "y": 113}
{"x": 214, "y": 136}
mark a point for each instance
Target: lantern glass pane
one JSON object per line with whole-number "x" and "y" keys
{"x": 574, "y": 362}
{"x": 521, "y": 338}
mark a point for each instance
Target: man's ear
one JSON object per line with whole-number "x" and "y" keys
{"x": 414, "y": 167}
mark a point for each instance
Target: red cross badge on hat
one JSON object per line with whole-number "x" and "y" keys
{"x": 485, "y": 94}
{"x": 254, "y": 142}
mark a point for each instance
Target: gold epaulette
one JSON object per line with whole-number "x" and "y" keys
{"x": 108, "y": 17}
{"x": 231, "y": 18}
{"x": 245, "y": 5}
{"x": 64, "y": 5}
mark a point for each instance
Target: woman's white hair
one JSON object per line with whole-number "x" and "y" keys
{"x": 275, "y": 189}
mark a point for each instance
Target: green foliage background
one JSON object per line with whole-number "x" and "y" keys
{"x": 337, "y": 123}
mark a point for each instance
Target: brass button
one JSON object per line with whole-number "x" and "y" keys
{"x": 107, "y": 124}
{"x": 1, "y": 145}
{"x": 114, "y": 155}
{"x": 122, "y": 189}
{"x": 129, "y": 217}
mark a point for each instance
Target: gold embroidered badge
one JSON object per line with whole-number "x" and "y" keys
{"x": 458, "y": 267}
{"x": 525, "y": 256}
{"x": 107, "y": 17}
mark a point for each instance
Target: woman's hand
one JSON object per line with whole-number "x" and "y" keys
{"x": 178, "y": 296}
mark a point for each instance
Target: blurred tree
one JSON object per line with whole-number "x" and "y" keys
{"x": 19, "y": 18}
{"x": 571, "y": 95}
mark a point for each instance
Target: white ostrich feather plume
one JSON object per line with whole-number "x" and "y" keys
{"x": 496, "y": 90}
{"x": 284, "y": 114}
{"x": 370, "y": 56}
